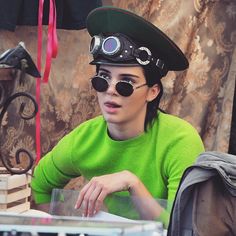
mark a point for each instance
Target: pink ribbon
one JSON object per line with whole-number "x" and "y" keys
{"x": 52, "y": 49}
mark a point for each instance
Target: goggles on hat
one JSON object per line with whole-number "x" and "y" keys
{"x": 119, "y": 48}
{"x": 124, "y": 88}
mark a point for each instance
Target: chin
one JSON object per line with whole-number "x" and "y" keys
{"x": 112, "y": 120}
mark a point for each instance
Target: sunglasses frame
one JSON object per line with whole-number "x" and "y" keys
{"x": 115, "y": 84}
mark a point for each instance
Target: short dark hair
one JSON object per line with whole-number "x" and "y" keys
{"x": 152, "y": 76}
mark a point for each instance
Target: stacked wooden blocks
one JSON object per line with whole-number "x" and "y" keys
{"x": 14, "y": 192}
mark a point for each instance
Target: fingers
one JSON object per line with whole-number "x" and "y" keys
{"x": 81, "y": 195}
{"x": 87, "y": 201}
{"x": 99, "y": 201}
{"x": 91, "y": 198}
{"x": 92, "y": 195}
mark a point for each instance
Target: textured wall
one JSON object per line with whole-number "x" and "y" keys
{"x": 203, "y": 95}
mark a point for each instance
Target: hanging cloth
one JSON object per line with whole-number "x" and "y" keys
{"x": 57, "y": 14}
{"x": 73, "y": 19}
{"x": 71, "y": 14}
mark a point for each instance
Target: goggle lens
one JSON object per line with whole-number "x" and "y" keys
{"x": 100, "y": 84}
{"x": 110, "y": 45}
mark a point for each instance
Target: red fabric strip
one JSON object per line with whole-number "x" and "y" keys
{"x": 52, "y": 41}
{"x": 38, "y": 81}
{"x": 52, "y": 48}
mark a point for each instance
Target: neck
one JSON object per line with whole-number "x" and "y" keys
{"x": 125, "y": 131}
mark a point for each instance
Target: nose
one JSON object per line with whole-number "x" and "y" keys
{"x": 112, "y": 88}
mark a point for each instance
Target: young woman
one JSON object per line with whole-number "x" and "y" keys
{"x": 134, "y": 150}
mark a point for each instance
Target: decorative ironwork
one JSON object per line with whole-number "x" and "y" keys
{"x": 6, "y": 160}
{"x": 17, "y": 58}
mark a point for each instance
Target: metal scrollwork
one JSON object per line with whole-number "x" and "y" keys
{"x": 17, "y": 59}
{"x": 5, "y": 160}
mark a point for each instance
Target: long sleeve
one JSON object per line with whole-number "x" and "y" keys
{"x": 54, "y": 170}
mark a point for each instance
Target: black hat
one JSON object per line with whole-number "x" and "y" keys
{"x": 109, "y": 20}
{"x": 12, "y": 58}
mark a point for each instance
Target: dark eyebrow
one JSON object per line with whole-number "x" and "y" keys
{"x": 127, "y": 75}
{"x": 104, "y": 70}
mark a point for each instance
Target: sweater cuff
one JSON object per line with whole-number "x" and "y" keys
{"x": 41, "y": 198}
{"x": 164, "y": 217}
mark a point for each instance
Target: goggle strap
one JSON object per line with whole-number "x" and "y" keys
{"x": 158, "y": 62}
{"x": 134, "y": 52}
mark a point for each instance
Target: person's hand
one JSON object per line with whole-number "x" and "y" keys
{"x": 92, "y": 195}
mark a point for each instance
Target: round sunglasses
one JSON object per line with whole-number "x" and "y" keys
{"x": 124, "y": 88}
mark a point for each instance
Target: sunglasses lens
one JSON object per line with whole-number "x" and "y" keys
{"x": 124, "y": 89}
{"x": 99, "y": 84}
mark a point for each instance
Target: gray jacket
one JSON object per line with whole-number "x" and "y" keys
{"x": 208, "y": 165}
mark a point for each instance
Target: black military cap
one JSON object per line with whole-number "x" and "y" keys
{"x": 109, "y": 20}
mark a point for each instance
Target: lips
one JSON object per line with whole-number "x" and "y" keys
{"x": 112, "y": 105}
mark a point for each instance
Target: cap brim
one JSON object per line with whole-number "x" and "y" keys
{"x": 115, "y": 20}
{"x": 101, "y": 61}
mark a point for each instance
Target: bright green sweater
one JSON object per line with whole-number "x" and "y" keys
{"x": 158, "y": 157}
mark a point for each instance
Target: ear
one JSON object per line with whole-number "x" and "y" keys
{"x": 153, "y": 92}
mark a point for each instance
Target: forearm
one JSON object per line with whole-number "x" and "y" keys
{"x": 147, "y": 206}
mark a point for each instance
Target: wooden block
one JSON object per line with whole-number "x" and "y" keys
{"x": 8, "y": 181}
{"x": 12, "y": 196}
{"x": 17, "y": 207}
{"x": 14, "y": 192}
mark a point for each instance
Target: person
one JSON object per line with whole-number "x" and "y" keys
{"x": 133, "y": 150}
